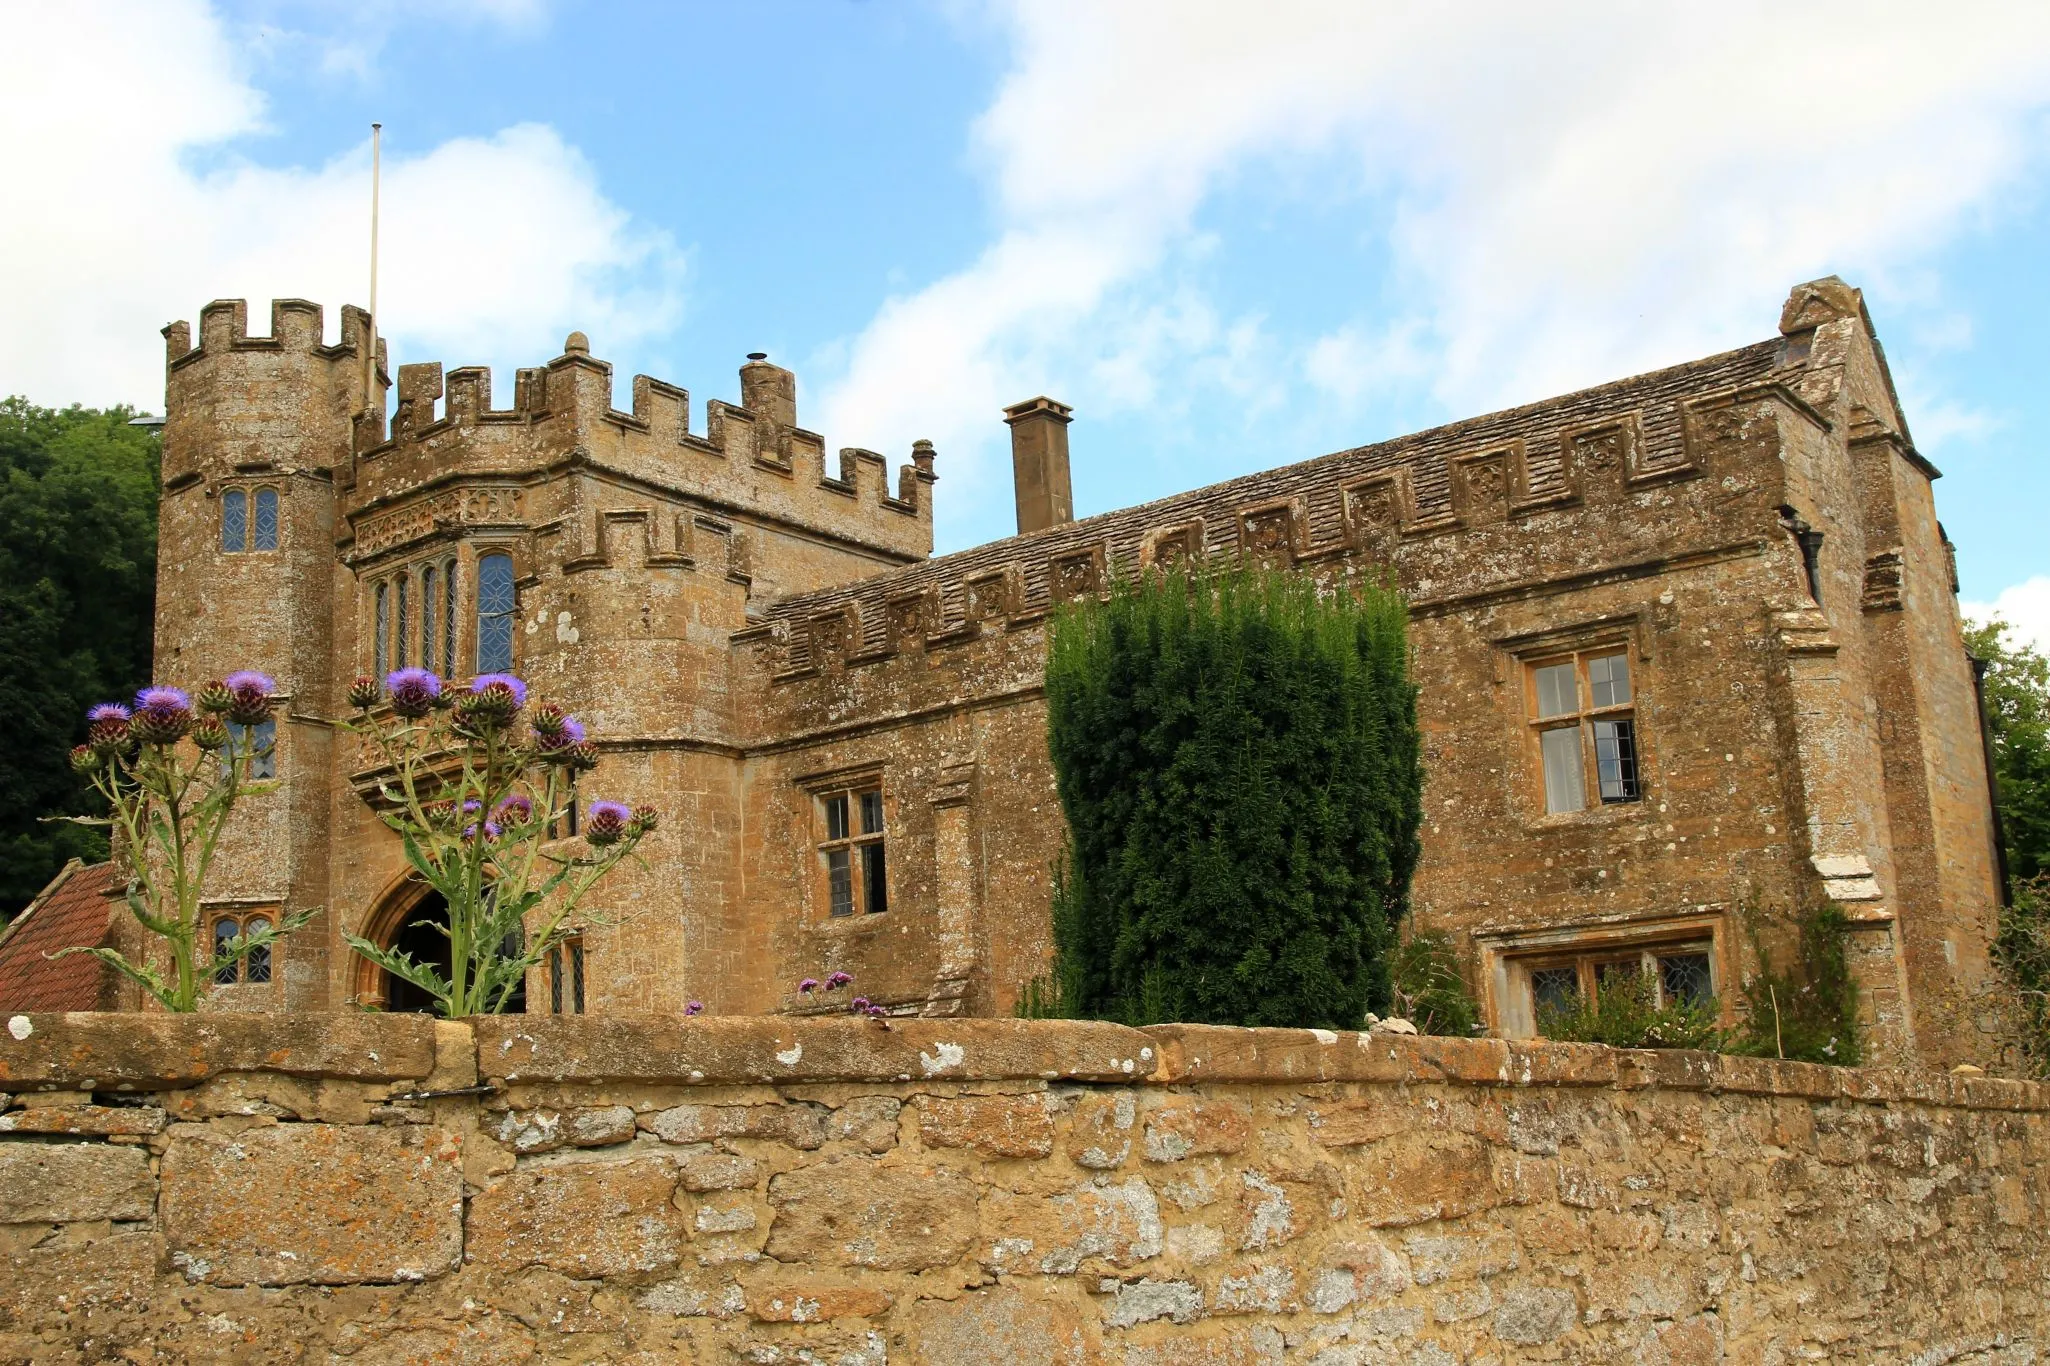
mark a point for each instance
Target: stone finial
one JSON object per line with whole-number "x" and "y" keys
{"x": 922, "y": 455}
{"x": 576, "y": 344}
{"x": 1818, "y": 302}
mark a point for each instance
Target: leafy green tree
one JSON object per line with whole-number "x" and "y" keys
{"x": 78, "y": 549}
{"x": 1237, "y": 757}
{"x": 2018, "y": 723}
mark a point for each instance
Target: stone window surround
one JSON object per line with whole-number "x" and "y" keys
{"x": 447, "y": 562}
{"x": 1507, "y": 957}
{"x": 250, "y": 489}
{"x": 242, "y": 910}
{"x": 817, "y": 907}
{"x": 1520, "y": 658}
{"x": 568, "y": 975}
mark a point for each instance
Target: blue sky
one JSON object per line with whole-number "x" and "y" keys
{"x": 1231, "y": 236}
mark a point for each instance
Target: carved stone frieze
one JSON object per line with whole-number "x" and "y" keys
{"x": 455, "y": 508}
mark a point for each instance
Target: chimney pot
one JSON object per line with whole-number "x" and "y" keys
{"x": 1039, "y": 463}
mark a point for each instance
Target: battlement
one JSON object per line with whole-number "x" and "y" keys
{"x": 1429, "y": 505}
{"x": 752, "y": 458}
{"x": 296, "y": 325}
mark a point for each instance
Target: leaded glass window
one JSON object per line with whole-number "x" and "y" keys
{"x": 496, "y": 607}
{"x": 234, "y": 520}
{"x": 265, "y": 525}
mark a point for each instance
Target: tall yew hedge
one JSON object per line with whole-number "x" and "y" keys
{"x": 1236, "y": 754}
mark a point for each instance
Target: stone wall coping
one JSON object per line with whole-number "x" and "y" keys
{"x": 716, "y": 1049}
{"x": 150, "y": 1051}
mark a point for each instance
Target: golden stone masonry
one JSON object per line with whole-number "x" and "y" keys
{"x": 1686, "y": 642}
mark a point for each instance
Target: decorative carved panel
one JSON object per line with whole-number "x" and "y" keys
{"x": 455, "y": 508}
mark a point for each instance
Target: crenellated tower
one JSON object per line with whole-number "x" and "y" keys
{"x": 256, "y": 431}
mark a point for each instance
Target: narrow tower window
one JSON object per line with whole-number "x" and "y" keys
{"x": 266, "y": 523}
{"x": 430, "y": 622}
{"x": 402, "y": 637}
{"x": 495, "y": 609}
{"x": 382, "y": 628}
{"x": 448, "y": 618}
{"x": 234, "y": 520}
{"x": 256, "y": 967}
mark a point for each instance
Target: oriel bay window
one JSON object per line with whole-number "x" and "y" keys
{"x": 432, "y": 586}
{"x": 851, "y": 854}
{"x": 1582, "y": 712}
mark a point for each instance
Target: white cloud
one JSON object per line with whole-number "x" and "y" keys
{"x": 2024, "y": 606}
{"x": 1579, "y": 190}
{"x": 487, "y": 241}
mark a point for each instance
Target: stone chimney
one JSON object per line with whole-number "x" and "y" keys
{"x": 1039, "y": 463}
{"x": 768, "y": 391}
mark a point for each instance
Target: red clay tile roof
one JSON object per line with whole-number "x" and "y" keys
{"x": 72, "y": 910}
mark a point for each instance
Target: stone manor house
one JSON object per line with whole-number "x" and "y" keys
{"x": 1687, "y": 643}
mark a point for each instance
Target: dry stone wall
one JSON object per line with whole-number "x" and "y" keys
{"x": 369, "y": 1189}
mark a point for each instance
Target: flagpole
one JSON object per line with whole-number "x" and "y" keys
{"x": 370, "y": 343}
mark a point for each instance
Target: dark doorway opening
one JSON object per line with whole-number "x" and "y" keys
{"x": 424, "y": 938}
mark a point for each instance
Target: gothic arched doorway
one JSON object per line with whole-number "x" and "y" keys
{"x": 414, "y": 921}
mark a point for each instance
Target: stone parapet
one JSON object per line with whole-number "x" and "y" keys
{"x": 776, "y": 1189}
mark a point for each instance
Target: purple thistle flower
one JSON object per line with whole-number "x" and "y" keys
{"x": 162, "y": 716}
{"x": 877, "y": 1012}
{"x": 808, "y": 986}
{"x": 858, "y": 1005}
{"x": 249, "y": 696}
{"x": 413, "y": 691}
{"x": 163, "y": 699}
{"x": 606, "y": 823}
{"x": 507, "y": 681}
{"x": 472, "y": 807}
{"x": 515, "y": 810}
{"x": 836, "y": 980}
{"x": 108, "y": 711}
{"x": 694, "y": 1007}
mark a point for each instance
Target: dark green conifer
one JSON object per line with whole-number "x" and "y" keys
{"x": 1236, "y": 753}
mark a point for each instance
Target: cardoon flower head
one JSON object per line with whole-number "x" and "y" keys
{"x": 605, "y": 823}
{"x": 646, "y": 818}
{"x": 162, "y": 716}
{"x": 363, "y": 693}
{"x": 484, "y": 683}
{"x": 209, "y": 733}
{"x": 413, "y": 691}
{"x": 877, "y": 1012}
{"x": 859, "y": 1005}
{"x": 439, "y": 814}
{"x": 249, "y": 695}
{"x": 584, "y": 756}
{"x": 107, "y": 729}
{"x": 557, "y": 735}
{"x": 693, "y": 1007}
{"x": 213, "y": 697}
{"x": 514, "y": 810}
{"x": 83, "y": 760}
{"x": 808, "y": 986}
{"x": 836, "y": 980}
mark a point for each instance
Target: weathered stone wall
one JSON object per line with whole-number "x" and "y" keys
{"x": 243, "y": 1188}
